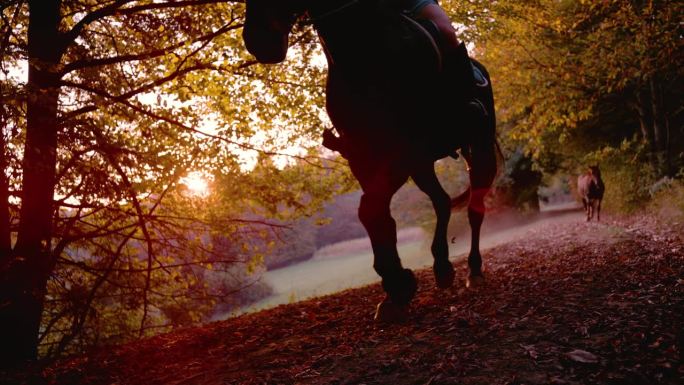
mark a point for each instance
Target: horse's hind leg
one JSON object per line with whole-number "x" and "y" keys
{"x": 482, "y": 173}
{"x": 426, "y": 180}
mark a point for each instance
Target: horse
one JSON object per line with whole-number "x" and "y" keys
{"x": 590, "y": 187}
{"x": 382, "y": 96}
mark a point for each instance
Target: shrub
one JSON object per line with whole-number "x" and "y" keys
{"x": 667, "y": 202}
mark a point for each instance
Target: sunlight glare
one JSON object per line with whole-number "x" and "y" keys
{"x": 196, "y": 183}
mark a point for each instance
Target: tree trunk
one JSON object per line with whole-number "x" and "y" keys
{"x": 5, "y": 234}
{"x": 659, "y": 134}
{"x": 23, "y": 282}
{"x": 646, "y": 124}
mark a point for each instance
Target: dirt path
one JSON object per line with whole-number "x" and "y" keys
{"x": 321, "y": 276}
{"x": 572, "y": 303}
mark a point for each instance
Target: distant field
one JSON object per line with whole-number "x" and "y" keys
{"x": 361, "y": 245}
{"x": 346, "y": 265}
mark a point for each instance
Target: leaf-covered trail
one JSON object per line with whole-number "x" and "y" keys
{"x": 574, "y": 303}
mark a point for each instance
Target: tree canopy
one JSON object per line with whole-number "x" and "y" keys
{"x": 574, "y": 76}
{"x": 123, "y": 99}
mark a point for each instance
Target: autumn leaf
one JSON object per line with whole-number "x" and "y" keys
{"x": 579, "y": 355}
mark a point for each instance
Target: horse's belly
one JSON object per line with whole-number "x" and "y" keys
{"x": 377, "y": 107}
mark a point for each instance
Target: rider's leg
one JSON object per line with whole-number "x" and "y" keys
{"x": 436, "y": 14}
{"x": 459, "y": 69}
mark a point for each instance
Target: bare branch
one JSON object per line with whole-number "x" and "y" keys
{"x": 107, "y": 10}
{"x": 81, "y": 64}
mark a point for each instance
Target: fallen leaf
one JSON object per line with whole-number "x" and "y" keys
{"x": 584, "y": 356}
{"x": 530, "y": 350}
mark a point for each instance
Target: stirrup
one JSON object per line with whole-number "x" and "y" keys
{"x": 478, "y": 106}
{"x": 480, "y": 78}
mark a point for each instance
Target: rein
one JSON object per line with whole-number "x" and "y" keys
{"x": 315, "y": 19}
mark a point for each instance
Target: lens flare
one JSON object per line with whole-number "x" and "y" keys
{"x": 196, "y": 183}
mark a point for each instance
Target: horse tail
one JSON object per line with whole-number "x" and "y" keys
{"x": 500, "y": 158}
{"x": 462, "y": 200}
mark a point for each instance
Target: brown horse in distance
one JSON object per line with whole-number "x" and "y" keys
{"x": 590, "y": 187}
{"x": 383, "y": 97}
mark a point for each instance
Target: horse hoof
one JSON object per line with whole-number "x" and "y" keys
{"x": 389, "y": 312}
{"x": 400, "y": 287}
{"x": 444, "y": 274}
{"x": 474, "y": 281}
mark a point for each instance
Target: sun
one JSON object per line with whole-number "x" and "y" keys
{"x": 196, "y": 183}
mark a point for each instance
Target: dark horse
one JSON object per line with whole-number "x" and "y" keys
{"x": 590, "y": 188}
{"x": 384, "y": 97}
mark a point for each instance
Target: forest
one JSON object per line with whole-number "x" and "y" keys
{"x": 152, "y": 168}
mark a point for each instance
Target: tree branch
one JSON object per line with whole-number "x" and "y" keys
{"x": 107, "y": 10}
{"x": 81, "y": 64}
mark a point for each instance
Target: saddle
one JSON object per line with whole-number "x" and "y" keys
{"x": 408, "y": 46}
{"x": 405, "y": 63}
{"x": 432, "y": 30}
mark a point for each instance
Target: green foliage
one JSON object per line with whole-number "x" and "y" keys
{"x": 581, "y": 81}
{"x": 557, "y": 188}
{"x": 295, "y": 242}
{"x": 668, "y": 202}
{"x": 341, "y": 220}
{"x": 562, "y": 69}
{"x": 518, "y": 185}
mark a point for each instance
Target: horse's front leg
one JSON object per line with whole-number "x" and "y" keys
{"x": 598, "y": 210}
{"x": 426, "y": 180}
{"x": 374, "y": 213}
{"x": 379, "y": 185}
{"x": 399, "y": 283}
